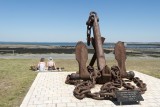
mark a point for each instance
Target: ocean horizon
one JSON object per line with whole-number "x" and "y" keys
{"x": 141, "y": 45}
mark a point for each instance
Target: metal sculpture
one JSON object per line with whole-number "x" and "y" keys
{"x": 111, "y": 78}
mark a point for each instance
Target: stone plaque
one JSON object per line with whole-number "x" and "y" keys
{"x": 128, "y": 96}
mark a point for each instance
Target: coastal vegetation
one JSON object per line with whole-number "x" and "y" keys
{"x": 132, "y": 48}
{"x": 16, "y": 78}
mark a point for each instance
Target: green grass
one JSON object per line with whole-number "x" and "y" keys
{"x": 148, "y": 66}
{"x": 16, "y": 78}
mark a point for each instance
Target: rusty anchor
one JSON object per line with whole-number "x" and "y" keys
{"x": 110, "y": 78}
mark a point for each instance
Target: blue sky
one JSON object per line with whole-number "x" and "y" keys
{"x": 65, "y": 20}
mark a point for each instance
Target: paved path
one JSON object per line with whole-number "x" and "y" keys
{"x": 49, "y": 90}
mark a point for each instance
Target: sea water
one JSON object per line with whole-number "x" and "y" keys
{"x": 129, "y": 45}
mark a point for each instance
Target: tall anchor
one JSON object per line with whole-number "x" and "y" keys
{"x": 112, "y": 79}
{"x": 97, "y": 42}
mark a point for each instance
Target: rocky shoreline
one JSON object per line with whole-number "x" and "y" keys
{"x": 39, "y": 49}
{"x": 44, "y": 49}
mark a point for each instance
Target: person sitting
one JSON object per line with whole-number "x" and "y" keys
{"x": 42, "y": 65}
{"x": 51, "y": 64}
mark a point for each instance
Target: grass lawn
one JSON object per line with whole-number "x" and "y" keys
{"x": 150, "y": 66}
{"x": 16, "y": 78}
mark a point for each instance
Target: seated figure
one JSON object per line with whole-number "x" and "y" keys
{"x": 42, "y": 65}
{"x": 51, "y": 64}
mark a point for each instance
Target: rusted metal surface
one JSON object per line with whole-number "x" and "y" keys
{"x": 120, "y": 56}
{"x": 93, "y": 23}
{"x": 94, "y": 55}
{"x": 107, "y": 90}
{"x": 112, "y": 79}
{"x": 97, "y": 42}
{"x": 82, "y": 57}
